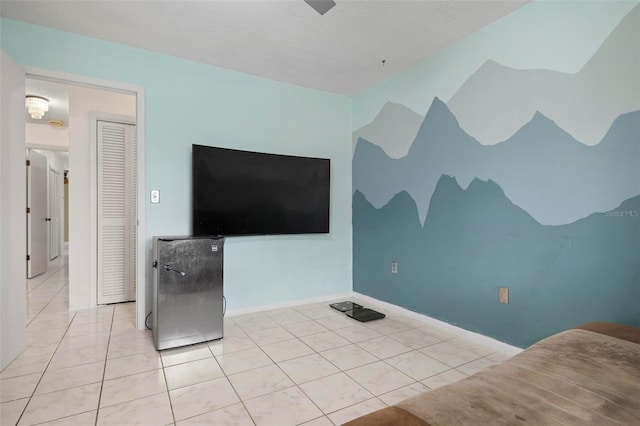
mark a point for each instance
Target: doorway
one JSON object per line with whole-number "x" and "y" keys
{"x": 109, "y": 152}
{"x": 37, "y": 215}
{"x": 83, "y": 280}
{"x": 45, "y": 201}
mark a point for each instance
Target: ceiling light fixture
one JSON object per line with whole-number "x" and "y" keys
{"x": 36, "y": 106}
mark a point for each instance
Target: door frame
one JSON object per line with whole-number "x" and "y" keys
{"x": 138, "y": 91}
{"x": 94, "y": 117}
{"x": 54, "y": 224}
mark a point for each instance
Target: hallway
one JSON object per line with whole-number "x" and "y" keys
{"x": 65, "y": 351}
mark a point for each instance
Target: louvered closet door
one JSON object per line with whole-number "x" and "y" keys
{"x": 116, "y": 212}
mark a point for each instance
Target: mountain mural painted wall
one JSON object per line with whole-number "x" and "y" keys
{"x": 497, "y": 100}
{"x": 476, "y": 239}
{"x": 541, "y": 168}
{"x": 537, "y": 189}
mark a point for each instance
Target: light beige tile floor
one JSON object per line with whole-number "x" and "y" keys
{"x": 306, "y": 364}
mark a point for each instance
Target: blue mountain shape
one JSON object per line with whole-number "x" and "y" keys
{"x": 484, "y": 200}
{"x": 476, "y": 239}
{"x": 401, "y": 207}
{"x": 377, "y": 173}
{"x": 366, "y": 148}
{"x": 542, "y": 130}
{"x": 440, "y": 126}
{"x": 393, "y": 129}
{"x": 541, "y": 168}
{"x": 617, "y": 140}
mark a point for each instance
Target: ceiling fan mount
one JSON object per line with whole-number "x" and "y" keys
{"x": 321, "y": 6}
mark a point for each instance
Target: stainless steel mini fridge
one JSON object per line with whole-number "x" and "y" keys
{"x": 187, "y": 290}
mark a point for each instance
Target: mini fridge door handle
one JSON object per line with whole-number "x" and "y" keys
{"x": 169, "y": 268}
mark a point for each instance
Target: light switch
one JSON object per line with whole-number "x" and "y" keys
{"x": 155, "y": 196}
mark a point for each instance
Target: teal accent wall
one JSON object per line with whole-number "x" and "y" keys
{"x": 510, "y": 159}
{"x": 187, "y": 103}
{"x": 475, "y": 240}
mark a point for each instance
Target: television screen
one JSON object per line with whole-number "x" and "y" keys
{"x": 251, "y": 193}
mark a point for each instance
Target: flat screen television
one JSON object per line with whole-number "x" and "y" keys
{"x": 250, "y": 193}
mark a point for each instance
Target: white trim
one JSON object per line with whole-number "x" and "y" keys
{"x": 81, "y": 80}
{"x": 138, "y": 91}
{"x": 449, "y": 328}
{"x": 141, "y": 273}
{"x": 57, "y": 185}
{"x": 497, "y": 345}
{"x": 45, "y": 147}
{"x": 114, "y": 118}
{"x": 333, "y": 297}
{"x": 93, "y": 212}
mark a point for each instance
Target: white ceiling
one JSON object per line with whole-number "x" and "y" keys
{"x": 284, "y": 40}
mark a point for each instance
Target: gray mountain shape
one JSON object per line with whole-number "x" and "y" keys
{"x": 393, "y": 129}
{"x": 496, "y": 100}
{"x": 541, "y": 168}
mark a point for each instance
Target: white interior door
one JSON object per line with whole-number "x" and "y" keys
{"x": 13, "y": 299}
{"x": 37, "y": 209}
{"x": 54, "y": 213}
{"x": 116, "y": 212}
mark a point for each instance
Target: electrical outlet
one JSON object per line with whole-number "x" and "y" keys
{"x": 394, "y": 267}
{"x": 503, "y": 295}
{"x": 155, "y": 196}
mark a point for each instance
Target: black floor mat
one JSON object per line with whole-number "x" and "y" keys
{"x": 345, "y": 306}
{"x": 364, "y": 314}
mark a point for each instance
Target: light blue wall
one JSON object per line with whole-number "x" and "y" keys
{"x": 188, "y": 102}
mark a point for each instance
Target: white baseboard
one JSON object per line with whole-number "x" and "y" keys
{"x": 367, "y": 300}
{"x": 331, "y": 297}
{"x": 432, "y": 322}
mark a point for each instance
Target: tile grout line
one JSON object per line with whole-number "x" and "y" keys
{"x": 166, "y": 385}
{"x": 182, "y": 387}
{"x": 227, "y": 376}
{"x": 353, "y": 405}
{"x": 276, "y": 320}
{"x": 46, "y": 279}
{"x": 374, "y": 396}
{"x": 46, "y": 367}
{"x": 104, "y": 370}
{"x": 296, "y": 385}
{"x": 59, "y": 418}
{"x": 48, "y": 303}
